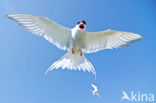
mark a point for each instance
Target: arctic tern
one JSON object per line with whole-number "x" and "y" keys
{"x": 76, "y": 41}
{"x": 95, "y": 91}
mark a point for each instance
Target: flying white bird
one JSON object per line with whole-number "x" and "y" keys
{"x": 95, "y": 91}
{"x": 76, "y": 40}
{"x": 125, "y": 96}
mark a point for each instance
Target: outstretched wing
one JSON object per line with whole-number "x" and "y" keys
{"x": 96, "y": 41}
{"x": 95, "y": 88}
{"x": 53, "y": 32}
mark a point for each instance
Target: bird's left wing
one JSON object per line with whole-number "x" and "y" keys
{"x": 95, "y": 87}
{"x": 53, "y": 32}
{"x": 96, "y": 41}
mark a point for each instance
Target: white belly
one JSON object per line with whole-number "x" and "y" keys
{"x": 78, "y": 42}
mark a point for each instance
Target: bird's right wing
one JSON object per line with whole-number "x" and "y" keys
{"x": 108, "y": 39}
{"x": 53, "y": 32}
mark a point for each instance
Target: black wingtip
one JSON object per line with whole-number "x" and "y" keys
{"x": 7, "y": 16}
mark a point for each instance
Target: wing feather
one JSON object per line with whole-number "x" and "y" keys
{"x": 95, "y": 87}
{"x": 109, "y": 39}
{"x": 53, "y": 32}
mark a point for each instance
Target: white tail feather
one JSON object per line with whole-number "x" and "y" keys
{"x": 73, "y": 62}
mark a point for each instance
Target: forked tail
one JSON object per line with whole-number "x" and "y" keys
{"x": 73, "y": 62}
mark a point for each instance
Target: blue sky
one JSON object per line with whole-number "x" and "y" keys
{"x": 24, "y": 57}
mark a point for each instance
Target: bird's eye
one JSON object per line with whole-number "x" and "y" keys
{"x": 78, "y": 22}
{"x": 84, "y": 22}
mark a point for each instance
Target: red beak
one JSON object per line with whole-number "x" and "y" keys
{"x": 81, "y": 26}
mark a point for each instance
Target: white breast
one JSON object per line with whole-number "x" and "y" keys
{"x": 77, "y": 39}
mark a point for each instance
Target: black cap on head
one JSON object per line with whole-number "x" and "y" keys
{"x": 81, "y": 21}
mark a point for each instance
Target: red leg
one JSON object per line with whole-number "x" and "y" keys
{"x": 81, "y": 53}
{"x": 72, "y": 51}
